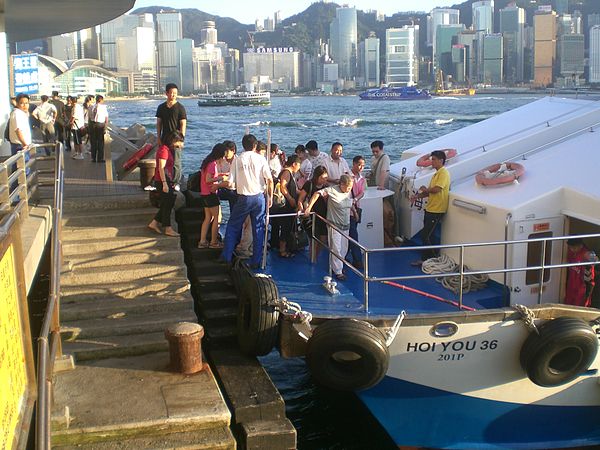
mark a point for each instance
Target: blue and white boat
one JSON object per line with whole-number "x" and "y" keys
{"x": 395, "y": 93}
{"x": 506, "y": 365}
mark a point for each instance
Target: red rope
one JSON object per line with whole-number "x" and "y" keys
{"x": 427, "y": 294}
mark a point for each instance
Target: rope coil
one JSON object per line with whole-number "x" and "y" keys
{"x": 445, "y": 264}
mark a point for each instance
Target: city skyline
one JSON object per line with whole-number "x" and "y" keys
{"x": 246, "y": 12}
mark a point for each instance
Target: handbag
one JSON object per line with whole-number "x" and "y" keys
{"x": 298, "y": 239}
{"x": 278, "y": 197}
{"x": 357, "y": 209}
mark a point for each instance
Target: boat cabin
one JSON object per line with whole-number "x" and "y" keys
{"x": 553, "y": 143}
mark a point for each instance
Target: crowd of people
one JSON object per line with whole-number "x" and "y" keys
{"x": 73, "y": 124}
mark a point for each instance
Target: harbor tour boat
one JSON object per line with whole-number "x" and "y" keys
{"x": 395, "y": 93}
{"x": 476, "y": 348}
{"x": 235, "y": 98}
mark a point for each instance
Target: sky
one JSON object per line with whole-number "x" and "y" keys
{"x": 246, "y": 11}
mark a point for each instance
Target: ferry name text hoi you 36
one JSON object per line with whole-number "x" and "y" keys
{"x": 495, "y": 359}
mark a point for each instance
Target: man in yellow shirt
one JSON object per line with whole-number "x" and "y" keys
{"x": 437, "y": 205}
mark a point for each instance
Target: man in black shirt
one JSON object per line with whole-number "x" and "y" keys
{"x": 59, "y": 123}
{"x": 171, "y": 116}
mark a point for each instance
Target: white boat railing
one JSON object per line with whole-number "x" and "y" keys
{"x": 542, "y": 267}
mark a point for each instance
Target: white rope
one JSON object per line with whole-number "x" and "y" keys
{"x": 445, "y": 264}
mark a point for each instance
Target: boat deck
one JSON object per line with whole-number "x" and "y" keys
{"x": 384, "y": 300}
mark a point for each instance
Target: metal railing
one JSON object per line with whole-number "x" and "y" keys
{"x": 49, "y": 343}
{"x": 542, "y": 267}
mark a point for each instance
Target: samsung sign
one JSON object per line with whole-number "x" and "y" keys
{"x": 25, "y": 73}
{"x": 271, "y": 50}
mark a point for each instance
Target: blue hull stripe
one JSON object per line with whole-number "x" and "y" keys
{"x": 420, "y": 416}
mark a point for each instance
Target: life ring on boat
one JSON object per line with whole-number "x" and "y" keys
{"x": 257, "y": 320}
{"x": 347, "y": 355}
{"x": 516, "y": 170}
{"x": 142, "y": 151}
{"x": 564, "y": 348}
{"x": 425, "y": 160}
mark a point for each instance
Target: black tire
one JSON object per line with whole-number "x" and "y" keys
{"x": 239, "y": 275}
{"x": 257, "y": 321}
{"x": 565, "y": 348}
{"x": 347, "y": 355}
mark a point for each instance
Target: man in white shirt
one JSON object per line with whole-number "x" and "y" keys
{"x": 380, "y": 166}
{"x": 77, "y": 123}
{"x": 316, "y": 157}
{"x": 46, "y": 114}
{"x": 98, "y": 124}
{"x": 336, "y": 165}
{"x": 249, "y": 174}
{"x": 19, "y": 128}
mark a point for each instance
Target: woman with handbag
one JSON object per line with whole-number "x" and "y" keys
{"x": 357, "y": 192}
{"x": 281, "y": 227}
{"x": 210, "y": 182}
{"x": 163, "y": 182}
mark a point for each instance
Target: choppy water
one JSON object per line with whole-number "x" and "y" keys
{"x": 323, "y": 419}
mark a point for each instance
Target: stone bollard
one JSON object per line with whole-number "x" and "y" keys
{"x": 185, "y": 347}
{"x": 147, "y": 168}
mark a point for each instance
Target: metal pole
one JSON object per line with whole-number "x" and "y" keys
{"x": 366, "y": 279}
{"x": 542, "y": 272}
{"x": 462, "y": 276}
{"x": 313, "y": 243}
{"x": 505, "y": 289}
{"x": 263, "y": 263}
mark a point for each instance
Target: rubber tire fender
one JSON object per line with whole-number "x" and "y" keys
{"x": 257, "y": 319}
{"x": 564, "y": 348}
{"x": 347, "y": 355}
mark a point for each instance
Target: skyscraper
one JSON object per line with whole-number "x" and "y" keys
{"x": 444, "y": 37}
{"x": 169, "y": 31}
{"x": 561, "y": 6}
{"x": 208, "y": 33}
{"x": 483, "y": 16}
{"x": 492, "y": 59}
{"x": 369, "y": 60}
{"x": 401, "y": 56}
{"x": 544, "y": 35}
{"x": 512, "y": 27}
{"x": 440, "y": 16}
{"x": 343, "y": 35}
{"x": 594, "y": 75}
{"x": 122, "y": 26}
{"x": 572, "y": 59}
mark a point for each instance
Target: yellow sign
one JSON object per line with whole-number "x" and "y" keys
{"x": 13, "y": 375}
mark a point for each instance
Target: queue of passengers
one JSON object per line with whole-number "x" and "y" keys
{"x": 309, "y": 181}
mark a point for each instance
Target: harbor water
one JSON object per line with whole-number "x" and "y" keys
{"x": 323, "y": 419}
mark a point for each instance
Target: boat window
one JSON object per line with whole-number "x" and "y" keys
{"x": 534, "y": 257}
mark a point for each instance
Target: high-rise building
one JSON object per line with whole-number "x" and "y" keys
{"x": 269, "y": 24}
{"x": 277, "y": 17}
{"x": 440, "y": 16}
{"x": 343, "y": 36}
{"x": 483, "y": 16}
{"x": 493, "y": 53}
{"x": 122, "y": 26}
{"x": 572, "y": 59}
{"x": 468, "y": 41}
{"x": 63, "y": 46}
{"x": 592, "y": 19}
{"x": 135, "y": 53}
{"x": 402, "y": 66}
{"x": 444, "y": 39}
{"x": 208, "y": 33}
{"x": 369, "y": 61}
{"x": 594, "y": 39}
{"x": 512, "y": 27}
{"x": 272, "y": 68}
{"x": 185, "y": 52}
{"x": 544, "y": 51}
{"x": 561, "y": 6}
{"x": 169, "y": 31}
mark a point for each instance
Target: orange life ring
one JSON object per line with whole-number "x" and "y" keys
{"x": 517, "y": 169}
{"x": 425, "y": 160}
{"x": 143, "y": 151}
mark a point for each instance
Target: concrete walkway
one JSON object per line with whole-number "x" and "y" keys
{"x": 121, "y": 286}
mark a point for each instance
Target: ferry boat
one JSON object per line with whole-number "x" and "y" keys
{"x": 235, "y": 98}
{"x": 395, "y": 93}
{"x": 496, "y": 362}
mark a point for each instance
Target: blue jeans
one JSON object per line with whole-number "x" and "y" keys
{"x": 246, "y": 205}
{"x": 353, "y": 249}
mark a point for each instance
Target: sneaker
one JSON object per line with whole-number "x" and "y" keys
{"x": 79, "y": 156}
{"x": 177, "y": 188}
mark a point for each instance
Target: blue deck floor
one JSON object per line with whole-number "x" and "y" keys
{"x": 300, "y": 281}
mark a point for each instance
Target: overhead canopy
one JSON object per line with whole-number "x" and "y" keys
{"x": 33, "y": 19}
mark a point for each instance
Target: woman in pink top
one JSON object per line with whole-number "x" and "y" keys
{"x": 163, "y": 182}
{"x": 210, "y": 181}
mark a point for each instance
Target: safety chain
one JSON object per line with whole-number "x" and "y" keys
{"x": 292, "y": 309}
{"x": 392, "y": 332}
{"x": 527, "y": 316}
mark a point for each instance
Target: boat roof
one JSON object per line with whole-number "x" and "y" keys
{"x": 553, "y": 138}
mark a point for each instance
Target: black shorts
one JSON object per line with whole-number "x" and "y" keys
{"x": 210, "y": 200}
{"x": 76, "y": 134}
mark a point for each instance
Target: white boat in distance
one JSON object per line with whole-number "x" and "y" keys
{"x": 235, "y": 98}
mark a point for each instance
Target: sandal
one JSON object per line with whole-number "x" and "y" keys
{"x": 216, "y": 245}
{"x": 171, "y": 233}
{"x": 155, "y": 229}
{"x": 202, "y": 244}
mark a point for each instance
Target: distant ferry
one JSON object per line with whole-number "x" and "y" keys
{"x": 396, "y": 93}
{"x": 235, "y": 98}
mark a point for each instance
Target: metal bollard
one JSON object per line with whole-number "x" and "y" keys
{"x": 185, "y": 347}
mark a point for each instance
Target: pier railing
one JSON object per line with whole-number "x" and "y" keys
{"x": 542, "y": 267}
{"x": 49, "y": 343}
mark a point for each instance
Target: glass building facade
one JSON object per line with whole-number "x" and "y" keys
{"x": 401, "y": 56}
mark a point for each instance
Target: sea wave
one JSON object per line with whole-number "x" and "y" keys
{"x": 443, "y": 121}
{"x": 276, "y": 124}
{"x": 345, "y": 122}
